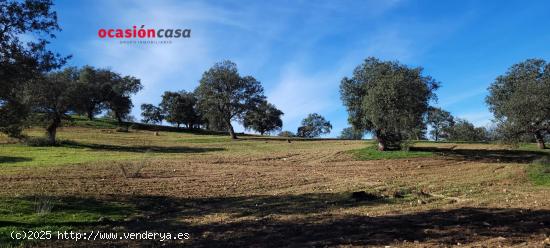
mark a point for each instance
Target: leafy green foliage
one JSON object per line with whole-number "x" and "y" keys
{"x": 224, "y": 94}
{"x": 118, "y": 99}
{"x": 286, "y": 134}
{"x": 388, "y": 99}
{"x": 22, "y": 62}
{"x": 351, "y": 133}
{"x": 54, "y": 97}
{"x": 314, "y": 125}
{"x": 463, "y": 130}
{"x": 93, "y": 88}
{"x": 11, "y": 117}
{"x": 151, "y": 114}
{"x": 440, "y": 121}
{"x": 264, "y": 118}
{"x": 181, "y": 108}
{"x": 519, "y": 100}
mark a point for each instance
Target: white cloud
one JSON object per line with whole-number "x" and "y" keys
{"x": 279, "y": 52}
{"x": 479, "y": 119}
{"x": 298, "y": 94}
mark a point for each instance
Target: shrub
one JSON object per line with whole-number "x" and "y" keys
{"x": 13, "y": 131}
{"x": 122, "y": 129}
{"x": 37, "y": 141}
{"x": 286, "y": 134}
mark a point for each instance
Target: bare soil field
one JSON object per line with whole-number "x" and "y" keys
{"x": 272, "y": 193}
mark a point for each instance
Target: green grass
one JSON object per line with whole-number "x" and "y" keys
{"x": 88, "y": 141}
{"x": 533, "y": 147}
{"x": 61, "y": 214}
{"x": 82, "y": 121}
{"x": 539, "y": 172}
{"x": 22, "y": 155}
{"x": 371, "y": 153}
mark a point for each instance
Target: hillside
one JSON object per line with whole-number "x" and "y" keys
{"x": 256, "y": 190}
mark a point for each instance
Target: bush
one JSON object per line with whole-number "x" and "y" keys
{"x": 286, "y": 134}
{"x": 37, "y": 141}
{"x": 13, "y": 131}
{"x": 122, "y": 129}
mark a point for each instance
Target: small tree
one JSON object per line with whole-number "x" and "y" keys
{"x": 264, "y": 118}
{"x": 120, "y": 107}
{"x": 151, "y": 114}
{"x": 120, "y": 90}
{"x": 53, "y": 97}
{"x": 314, "y": 125}
{"x": 520, "y": 100}
{"x": 388, "y": 99}
{"x": 223, "y": 93}
{"x": 463, "y": 130}
{"x": 92, "y": 88}
{"x": 12, "y": 114}
{"x": 286, "y": 134}
{"x": 351, "y": 133}
{"x": 441, "y": 121}
{"x": 180, "y": 108}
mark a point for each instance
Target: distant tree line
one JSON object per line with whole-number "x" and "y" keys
{"x": 222, "y": 96}
{"x": 385, "y": 98}
{"x": 448, "y": 128}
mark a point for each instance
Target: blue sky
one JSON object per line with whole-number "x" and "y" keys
{"x": 300, "y": 50}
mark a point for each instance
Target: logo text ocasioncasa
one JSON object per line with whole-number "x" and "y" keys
{"x": 142, "y": 32}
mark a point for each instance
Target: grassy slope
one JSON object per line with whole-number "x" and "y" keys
{"x": 82, "y": 141}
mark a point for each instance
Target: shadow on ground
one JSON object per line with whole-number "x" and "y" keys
{"x": 486, "y": 155}
{"x": 302, "y": 220}
{"x": 140, "y": 149}
{"x": 8, "y": 159}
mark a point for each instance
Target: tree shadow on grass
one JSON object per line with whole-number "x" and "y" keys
{"x": 9, "y": 159}
{"x": 140, "y": 149}
{"x": 250, "y": 206}
{"x": 270, "y": 221}
{"x": 23, "y": 214}
{"x": 163, "y": 214}
{"x": 448, "y": 227}
{"x": 486, "y": 155}
{"x": 72, "y": 211}
{"x": 304, "y": 220}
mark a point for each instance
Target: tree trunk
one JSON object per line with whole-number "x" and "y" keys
{"x": 52, "y": 129}
{"x": 381, "y": 141}
{"x": 381, "y": 145}
{"x": 90, "y": 113}
{"x": 231, "y": 130}
{"x": 118, "y": 118}
{"x": 540, "y": 140}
